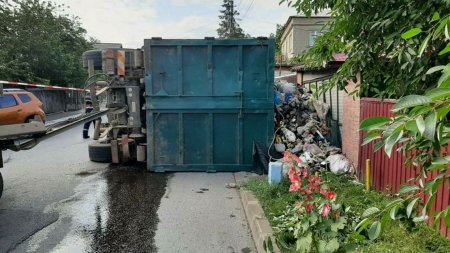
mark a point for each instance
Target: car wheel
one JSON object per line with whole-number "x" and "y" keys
{"x": 1, "y": 185}
{"x": 100, "y": 152}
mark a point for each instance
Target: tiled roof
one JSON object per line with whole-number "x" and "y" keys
{"x": 339, "y": 57}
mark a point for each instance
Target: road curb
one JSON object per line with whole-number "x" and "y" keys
{"x": 258, "y": 223}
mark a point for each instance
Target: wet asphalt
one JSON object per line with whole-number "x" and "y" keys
{"x": 133, "y": 197}
{"x": 56, "y": 200}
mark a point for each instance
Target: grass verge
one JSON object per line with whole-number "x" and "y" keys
{"x": 398, "y": 236}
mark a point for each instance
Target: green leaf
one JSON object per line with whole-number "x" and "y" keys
{"x": 395, "y": 202}
{"x": 339, "y": 224}
{"x": 370, "y": 137}
{"x": 444, "y": 79}
{"x": 373, "y": 122}
{"x": 441, "y": 160}
{"x": 435, "y": 17}
{"x": 420, "y": 124}
{"x": 378, "y": 146}
{"x": 435, "y": 69}
{"x": 441, "y": 26}
{"x": 332, "y": 245}
{"x": 411, "y": 33}
{"x": 370, "y": 211}
{"x": 438, "y": 93}
{"x": 410, "y": 101}
{"x": 442, "y": 112}
{"x": 445, "y": 50}
{"x": 362, "y": 225}
{"x": 391, "y": 141}
{"x": 424, "y": 44}
{"x": 410, "y": 207}
{"x": 408, "y": 188}
{"x": 412, "y": 126}
{"x": 385, "y": 221}
{"x": 393, "y": 212}
{"x": 447, "y": 220}
{"x": 304, "y": 243}
{"x": 419, "y": 219}
{"x": 430, "y": 126}
{"x": 374, "y": 230}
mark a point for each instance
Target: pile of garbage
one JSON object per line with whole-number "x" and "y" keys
{"x": 301, "y": 128}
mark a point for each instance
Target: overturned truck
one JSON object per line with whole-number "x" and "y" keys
{"x": 183, "y": 105}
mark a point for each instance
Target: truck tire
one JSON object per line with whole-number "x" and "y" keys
{"x": 100, "y": 152}
{"x": 1, "y": 185}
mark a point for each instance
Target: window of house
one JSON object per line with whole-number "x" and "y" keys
{"x": 312, "y": 37}
{"x": 24, "y": 98}
{"x": 7, "y": 101}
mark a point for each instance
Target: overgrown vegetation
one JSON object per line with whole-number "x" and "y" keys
{"x": 40, "y": 44}
{"x": 420, "y": 128}
{"x": 401, "y": 49}
{"x": 369, "y": 32}
{"x": 399, "y": 236}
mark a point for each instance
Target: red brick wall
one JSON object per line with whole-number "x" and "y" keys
{"x": 350, "y": 128}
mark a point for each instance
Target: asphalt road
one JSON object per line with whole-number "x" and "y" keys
{"x": 56, "y": 200}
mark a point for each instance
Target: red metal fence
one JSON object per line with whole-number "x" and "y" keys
{"x": 388, "y": 174}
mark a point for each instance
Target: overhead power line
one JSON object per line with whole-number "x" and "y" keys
{"x": 248, "y": 8}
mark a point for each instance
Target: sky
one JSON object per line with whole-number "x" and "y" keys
{"x": 131, "y": 21}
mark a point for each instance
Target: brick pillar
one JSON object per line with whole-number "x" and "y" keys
{"x": 350, "y": 125}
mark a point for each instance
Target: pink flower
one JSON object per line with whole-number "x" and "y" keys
{"x": 306, "y": 191}
{"x": 295, "y": 186}
{"x": 331, "y": 195}
{"x": 287, "y": 154}
{"x": 298, "y": 160}
{"x": 305, "y": 172}
{"x": 296, "y": 183}
{"x": 326, "y": 210}
{"x": 310, "y": 207}
{"x": 294, "y": 174}
{"x": 324, "y": 191}
{"x": 314, "y": 182}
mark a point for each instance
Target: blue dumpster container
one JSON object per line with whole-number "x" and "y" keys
{"x": 207, "y": 102}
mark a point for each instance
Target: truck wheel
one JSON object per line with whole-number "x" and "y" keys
{"x": 100, "y": 152}
{"x": 1, "y": 185}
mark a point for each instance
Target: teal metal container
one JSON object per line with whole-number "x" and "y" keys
{"x": 207, "y": 102}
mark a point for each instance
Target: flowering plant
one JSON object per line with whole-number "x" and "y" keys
{"x": 316, "y": 222}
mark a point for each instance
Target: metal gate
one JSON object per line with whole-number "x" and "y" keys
{"x": 207, "y": 102}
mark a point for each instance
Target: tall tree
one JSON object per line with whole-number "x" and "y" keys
{"x": 228, "y": 27}
{"x": 39, "y": 44}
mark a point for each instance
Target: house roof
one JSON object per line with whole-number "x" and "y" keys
{"x": 303, "y": 16}
{"x": 336, "y": 62}
{"x": 339, "y": 57}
